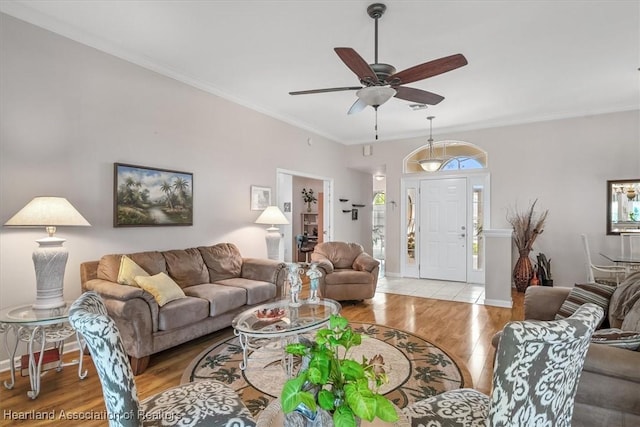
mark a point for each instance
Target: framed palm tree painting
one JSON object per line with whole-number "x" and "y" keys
{"x": 145, "y": 196}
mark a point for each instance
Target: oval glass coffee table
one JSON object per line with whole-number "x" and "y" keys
{"x": 279, "y": 321}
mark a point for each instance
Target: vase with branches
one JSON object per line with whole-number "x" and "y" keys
{"x": 309, "y": 197}
{"x": 527, "y": 226}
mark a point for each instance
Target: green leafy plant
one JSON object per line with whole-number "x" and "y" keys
{"x": 342, "y": 384}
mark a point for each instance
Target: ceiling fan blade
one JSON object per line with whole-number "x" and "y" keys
{"x": 428, "y": 69}
{"x": 417, "y": 95}
{"x": 357, "y": 106}
{"x": 332, "y": 89}
{"x": 359, "y": 66}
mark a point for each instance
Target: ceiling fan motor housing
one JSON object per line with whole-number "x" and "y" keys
{"x": 382, "y": 71}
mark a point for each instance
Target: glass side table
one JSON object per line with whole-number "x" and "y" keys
{"x": 37, "y": 328}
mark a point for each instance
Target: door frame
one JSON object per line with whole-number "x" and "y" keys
{"x": 475, "y": 178}
{"x": 284, "y": 193}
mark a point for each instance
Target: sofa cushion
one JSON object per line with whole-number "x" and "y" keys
{"x": 151, "y": 261}
{"x": 109, "y": 267}
{"x": 624, "y": 298}
{"x": 257, "y": 291}
{"x": 595, "y": 293}
{"x": 223, "y": 261}
{"x": 617, "y": 338}
{"x": 220, "y": 298}
{"x": 182, "y": 312}
{"x": 342, "y": 277}
{"x": 161, "y": 286}
{"x": 186, "y": 267}
{"x": 632, "y": 319}
{"x": 340, "y": 254}
{"x": 128, "y": 271}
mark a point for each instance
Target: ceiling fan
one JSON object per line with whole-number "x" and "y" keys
{"x": 381, "y": 82}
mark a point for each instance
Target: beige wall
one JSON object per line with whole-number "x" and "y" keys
{"x": 68, "y": 112}
{"x": 563, "y": 163}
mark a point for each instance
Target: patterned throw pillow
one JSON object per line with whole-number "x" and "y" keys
{"x": 617, "y": 338}
{"x": 595, "y": 293}
{"x": 128, "y": 271}
{"x": 162, "y": 287}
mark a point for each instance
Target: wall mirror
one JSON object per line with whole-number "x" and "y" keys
{"x": 623, "y": 206}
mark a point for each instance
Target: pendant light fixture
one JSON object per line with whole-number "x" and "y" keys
{"x": 431, "y": 163}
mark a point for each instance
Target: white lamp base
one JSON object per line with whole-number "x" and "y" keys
{"x": 49, "y": 260}
{"x": 273, "y": 242}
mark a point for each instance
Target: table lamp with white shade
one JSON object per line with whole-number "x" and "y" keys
{"x": 50, "y": 258}
{"x": 274, "y": 216}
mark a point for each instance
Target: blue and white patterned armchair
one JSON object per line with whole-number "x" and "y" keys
{"x": 202, "y": 403}
{"x": 535, "y": 377}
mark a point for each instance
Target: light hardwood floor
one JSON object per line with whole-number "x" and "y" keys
{"x": 463, "y": 330}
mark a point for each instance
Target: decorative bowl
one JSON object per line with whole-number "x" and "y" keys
{"x": 270, "y": 313}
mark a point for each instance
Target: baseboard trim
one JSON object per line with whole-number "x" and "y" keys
{"x": 498, "y": 303}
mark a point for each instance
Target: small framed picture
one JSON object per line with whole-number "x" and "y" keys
{"x": 354, "y": 214}
{"x": 287, "y": 206}
{"x": 260, "y": 198}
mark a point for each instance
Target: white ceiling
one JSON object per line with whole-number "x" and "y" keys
{"x": 528, "y": 60}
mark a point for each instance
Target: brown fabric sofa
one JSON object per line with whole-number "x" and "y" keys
{"x": 609, "y": 388}
{"x": 217, "y": 281}
{"x": 348, "y": 273}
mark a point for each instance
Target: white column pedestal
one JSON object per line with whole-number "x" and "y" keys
{"x": 498, "y": 267}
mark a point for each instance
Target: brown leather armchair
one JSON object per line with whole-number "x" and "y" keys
{"x": 348, "y": 272}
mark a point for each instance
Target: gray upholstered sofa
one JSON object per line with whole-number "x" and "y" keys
{"x": 609, "y": 389}
{"x": 348, "y": 272}
{"x": 217, "y": 281}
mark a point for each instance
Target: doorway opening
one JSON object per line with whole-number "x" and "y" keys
{"x": 444, "y": 212}
{"x": 313, "y": 221}
{"x": 443, "y": 217}
{"x": 378, "y": 229}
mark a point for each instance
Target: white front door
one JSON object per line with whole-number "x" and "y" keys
{"x": 443, "y": 234}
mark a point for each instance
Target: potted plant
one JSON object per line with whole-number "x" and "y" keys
{"x": 309, "y": 197}
{"x": 334, "y": 382}
{"x": 527, "y": 225}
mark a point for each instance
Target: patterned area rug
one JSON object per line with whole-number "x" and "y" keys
{"x": 416, "y": 367}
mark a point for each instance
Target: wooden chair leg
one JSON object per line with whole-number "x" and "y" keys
{"x": 138, "y": 365}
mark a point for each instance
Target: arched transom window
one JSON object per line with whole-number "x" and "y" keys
{"x": 455, "y": 155}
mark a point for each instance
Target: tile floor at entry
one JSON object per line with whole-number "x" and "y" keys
{"x": 436, "y": 289}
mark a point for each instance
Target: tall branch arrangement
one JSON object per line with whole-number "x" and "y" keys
{"x": 527, "y": 225}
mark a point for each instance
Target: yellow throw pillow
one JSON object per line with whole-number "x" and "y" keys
{"x": 161, "y": 286}
{"x": 128, "y": 271}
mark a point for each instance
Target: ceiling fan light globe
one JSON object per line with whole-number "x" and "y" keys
{"x": 430, "y": 165}
{"x": 375, "y": 95}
